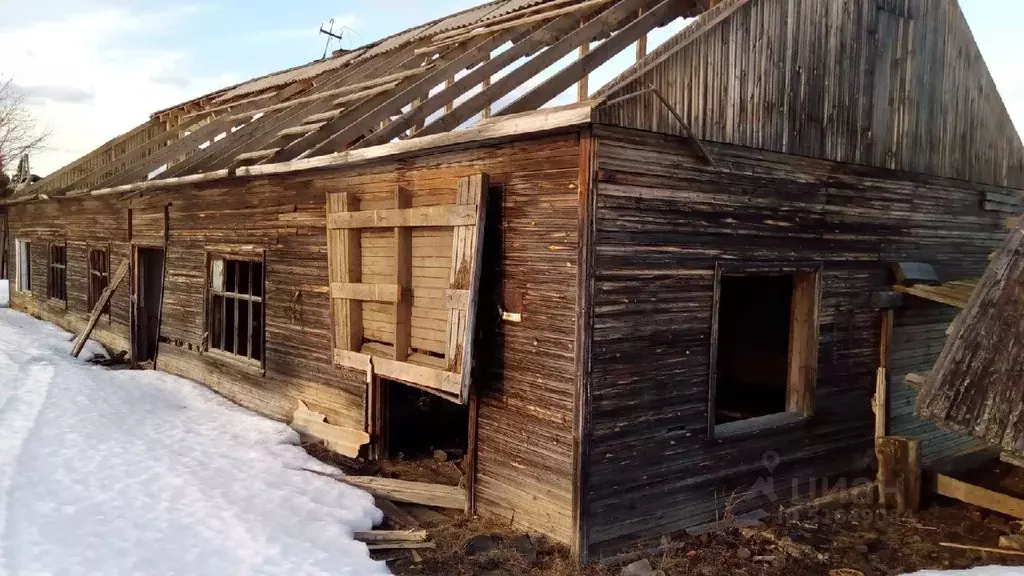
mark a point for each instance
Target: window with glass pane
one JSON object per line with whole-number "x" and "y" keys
{"x": 236, "y": 307}
{"x": 58, "y": 286}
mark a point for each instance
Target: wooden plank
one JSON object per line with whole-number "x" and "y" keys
{"x": 403, "y": 279}
{"x": 456, "y": 299}
{"x": 440, "y": 380}
{"x": 881, "y": 400}
{"x": 345, "y": 441}
{"x": 97, "y": 310}
{"x": 367, "y": 292}
{"x": 396, "y": 516}
{"x": 978, "y": 496}
{"x": 345, "y": 266}
{"x": 391, "y": 536}
{"x": 436, "y": 495}
{"x": 422, "y": 216}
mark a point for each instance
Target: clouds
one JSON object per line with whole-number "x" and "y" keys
{"x": 93, "y": 72}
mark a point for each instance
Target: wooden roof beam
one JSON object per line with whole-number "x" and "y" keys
{"x": 257, "y": 136}
{"x": 604, "y": 23}
{"x": 552, "y": 87}
{"x": 547, "y": 34}
{"x": 337, "y": 134}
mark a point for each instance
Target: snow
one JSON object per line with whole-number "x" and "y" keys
{"x": 984, "y": 571}
{"x": 5, "y": 294}
{"x": 131, "y": 472}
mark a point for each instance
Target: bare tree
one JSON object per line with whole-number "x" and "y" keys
{"x": 19, "y": 134}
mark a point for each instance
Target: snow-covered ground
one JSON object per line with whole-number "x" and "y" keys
{"x": 128, "y": 472}
{"x": 985, "y": 571}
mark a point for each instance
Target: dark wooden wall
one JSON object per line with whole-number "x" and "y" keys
{"x": 662, "y": 221}
{"x": 527, "y": 379}
{"x": 891, "y": 83}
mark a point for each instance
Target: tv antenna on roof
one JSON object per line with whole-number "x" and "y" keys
{"x": 332, "y": 35}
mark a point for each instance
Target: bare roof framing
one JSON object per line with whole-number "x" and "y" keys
{"x": 408, "y": 85}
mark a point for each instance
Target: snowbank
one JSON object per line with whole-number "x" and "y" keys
{"x": 983, "y": 571}
{"x": 129, "y": 472}
{"x": 5, "y": 293}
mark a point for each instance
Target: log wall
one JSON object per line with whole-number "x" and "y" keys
{"x": 890, "y": 83}
{"x": 662, "y": 221}
{"x": 527, "y": 379}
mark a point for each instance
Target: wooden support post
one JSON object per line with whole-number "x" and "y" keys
{"x": 641, "y": 43}
{"x": 97, "y": 310}
{"x": 583, "y": 86}
{"x": 881, "y": 399}
{"x": 484, "y": 86}
{"x": 403, "y": 279}
{"x": 899, "y": 472}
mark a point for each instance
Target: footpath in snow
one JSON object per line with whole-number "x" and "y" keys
{"x": 130, "y": 472}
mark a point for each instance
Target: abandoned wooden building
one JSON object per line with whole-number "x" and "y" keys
{"x": 628, "y": 310}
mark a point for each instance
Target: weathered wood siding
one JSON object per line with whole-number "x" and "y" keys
{"x": 918, "y": 335}
{"x": 527, "y": 373}
{"x": 891, "y": 83}
{"x": 83, "y": 224}
{"x": 662, "y": 221}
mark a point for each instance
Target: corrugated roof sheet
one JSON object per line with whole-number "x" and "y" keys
{"x": 311, "y": 70}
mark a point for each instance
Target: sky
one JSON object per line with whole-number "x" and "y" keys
{"x": 93, "y": 69}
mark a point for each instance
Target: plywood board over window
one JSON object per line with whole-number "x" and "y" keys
{"x": 404, "y": 271}
{"x": 764, "y": 346}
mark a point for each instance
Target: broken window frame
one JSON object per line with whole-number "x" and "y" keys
{"x": 23, "y": 265}
{"x": 57, "y": 271}
{"x": 218, "y": 292}
{"x": 98, "y": 279}
{"x": 802, "y": 357}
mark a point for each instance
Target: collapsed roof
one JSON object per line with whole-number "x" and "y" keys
{"x": 426, "y": 80}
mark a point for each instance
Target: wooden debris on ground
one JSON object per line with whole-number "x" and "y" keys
{"x": 437, "y": 495}
{"x": 1012, "y": 542}
{"x": 394, "y": 539}
{"x": 978, "y": 496}
{"x": 345, "y": 441}
{"x": 397, "y": 517}
{"x": 981, "y": 548}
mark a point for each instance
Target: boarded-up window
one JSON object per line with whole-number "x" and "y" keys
{"x": 24, "y": 265}
{"x": 236, "y": 307}
{"x": 99, "y": 277}
{"x": 58, "y": 279}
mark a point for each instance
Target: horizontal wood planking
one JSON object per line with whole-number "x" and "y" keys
{"x": 662, "y": 221}
{"x": 847, "y": 81}
{"x": 526, "y": 377}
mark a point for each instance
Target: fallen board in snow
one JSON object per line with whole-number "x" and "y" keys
{"x": 97, "y": 310}
{"x": 391, "y": 536}
{"x": 345, "y": 441}
{"x": 437, "y": 495}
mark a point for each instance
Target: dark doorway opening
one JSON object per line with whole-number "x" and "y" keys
{"x": 149, "y": 281}
{"x": 753, "y": 346}
{"x": 417, "y": 423}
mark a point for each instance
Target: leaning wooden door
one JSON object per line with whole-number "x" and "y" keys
{"x": 405, "y": 274}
